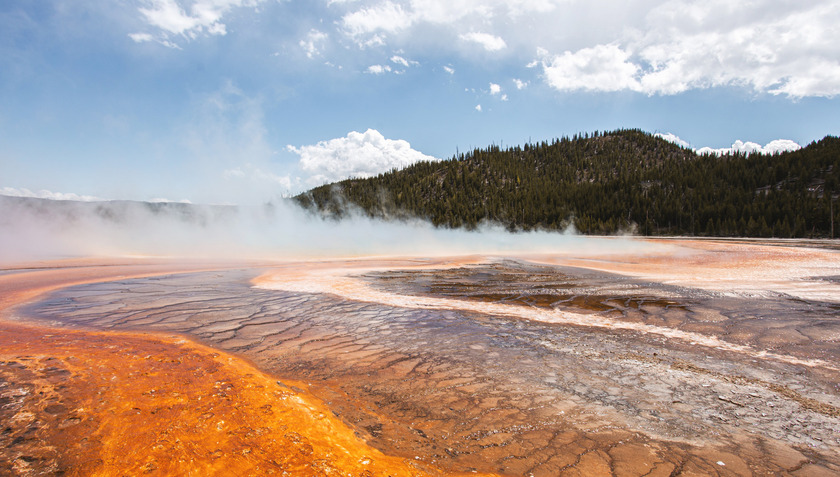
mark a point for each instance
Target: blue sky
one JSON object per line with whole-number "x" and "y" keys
{"x": 241, "y": 101}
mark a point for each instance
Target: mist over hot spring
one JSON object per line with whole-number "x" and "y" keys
{"x": 46, "y": 229}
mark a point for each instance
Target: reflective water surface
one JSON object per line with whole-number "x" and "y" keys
{"x": 521, "y": 366}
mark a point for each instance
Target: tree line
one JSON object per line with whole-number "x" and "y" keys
{"x": 606, "y": 183}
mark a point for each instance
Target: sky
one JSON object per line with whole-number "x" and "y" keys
{"x": 245, "y": 101}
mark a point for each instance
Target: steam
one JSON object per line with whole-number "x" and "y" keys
{"x": 32, "y": 229}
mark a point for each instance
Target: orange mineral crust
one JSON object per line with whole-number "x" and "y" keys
{"x": 613, "y": 357}
{"x": 102, "y": 403}
{"x": 120, "y": 404}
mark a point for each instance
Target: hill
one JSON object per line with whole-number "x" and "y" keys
{"x": 605, "y": 183}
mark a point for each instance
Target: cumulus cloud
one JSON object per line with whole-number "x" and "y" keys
{"x": 773, "y": 147}
{"x": 478, "y": 107}
{"x": 774, "y": 46}
{"x": 679, "y": 45}
{"x": 654, "y": 47}
{"x": 356, "y": 155}
{"x": 46, "y": 194}
{"x": 486, "y": 40}
{"x": 670, "y": 137}
{"x": 186, "y": 18}
{"x": 520, "y": 84}
{"x": 449, "y": 70}
{"x": 495, "y": 89}
{"x": 780, "y": 145}
{"x": 601, "y": 68}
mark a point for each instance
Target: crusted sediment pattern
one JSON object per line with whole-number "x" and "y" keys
{"x": 466, "y": 390}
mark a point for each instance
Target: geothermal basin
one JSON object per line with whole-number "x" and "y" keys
{"x": 666, "y": 357}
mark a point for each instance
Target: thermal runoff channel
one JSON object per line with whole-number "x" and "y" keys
{"x": 264, "y": 340}
{"x": 419, "y": 237}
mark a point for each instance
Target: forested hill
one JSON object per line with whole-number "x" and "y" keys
{"x": 605, "y": 183}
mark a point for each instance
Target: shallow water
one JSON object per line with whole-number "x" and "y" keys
{"x": 444, "y": 363}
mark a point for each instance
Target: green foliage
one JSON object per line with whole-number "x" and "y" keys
{"x": 605, "y": 183}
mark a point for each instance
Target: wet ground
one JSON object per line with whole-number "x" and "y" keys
{"x": 775, "y": 323}
{"x": 82, "y": 402}
{"x": 516, "y": 367}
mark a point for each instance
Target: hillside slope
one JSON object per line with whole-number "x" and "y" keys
{"x": 605, "y": 183}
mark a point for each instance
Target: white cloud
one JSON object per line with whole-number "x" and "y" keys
{"x": 601, "y": 68}
{"x": 773, "y": 147}
{"x": 449, "y": 70}
{"x": 378, "y": 69}
{"x": 478, "y": 107}
{"x": 781, "y": 145}
{"x": 145, "y": 37}
{"x": 169, "y": 16}
{"x": 169, "y": 44}
{"x": 770, "y": 46}
{"x": 670, "y": 137}
{"x": 821, "y": 79}
{"x": 389, "y": 17}
{"x": 655, "y": 47}
{"x": 520, "y": 84}
{"x": 141, "y": 37}
{"x": 403, "y": 62}
{"x": 356, "y": 155}
{"x": 313, "y": 43}
{"x": 486, "y": 40}
{"x": 496, "y": 90}
{"x": 187, "y": 18}
{"x": 46, "y": 194}
{"x": 386, "y": 17}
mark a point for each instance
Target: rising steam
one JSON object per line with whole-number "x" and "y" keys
{"x": 33, "y": 228}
